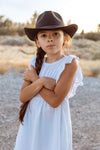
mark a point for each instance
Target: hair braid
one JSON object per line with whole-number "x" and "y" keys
{"x": 38, "y": 64}
{"x": 39, "y": 60}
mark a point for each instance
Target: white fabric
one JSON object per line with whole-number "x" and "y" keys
{"x": 45, "y": 127}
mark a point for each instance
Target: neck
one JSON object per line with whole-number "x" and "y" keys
{"x": 54, "y": 57}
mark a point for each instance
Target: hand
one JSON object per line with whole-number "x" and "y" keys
{"x": 72, "y": 67}
{"x": 30, "y": 75}
{"x": 49, "y": 83}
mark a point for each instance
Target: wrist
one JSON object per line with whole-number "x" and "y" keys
{"x": 43, "y": 79}
{"x": 36, "y": 78}
{"x": 40, "y": 81}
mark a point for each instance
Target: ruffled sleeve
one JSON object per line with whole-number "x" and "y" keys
{"x": 32, "y": 62}
{"x": 78, "y": 79}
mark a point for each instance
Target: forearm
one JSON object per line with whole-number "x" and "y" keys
{"x": 54, "y": 98}
{"x": 30, "y": 91}
{"x": 49, "y": 96}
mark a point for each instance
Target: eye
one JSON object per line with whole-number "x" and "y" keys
{"x": 56, "y": 34}
{"x": 43, "y": 35}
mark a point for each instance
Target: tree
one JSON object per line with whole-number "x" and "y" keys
{"x": 33, "y": 19}
{"x": 98, "y": 27}
{"x": 1, "y": 21}
{"x": 7, "y": 22}
{"x": 7, "y": 27}
{"x": 69, "y": 22}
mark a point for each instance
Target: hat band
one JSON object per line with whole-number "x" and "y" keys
{"x": 50, "y": 27}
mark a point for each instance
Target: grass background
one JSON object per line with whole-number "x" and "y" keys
{"x": 16, "y": 51}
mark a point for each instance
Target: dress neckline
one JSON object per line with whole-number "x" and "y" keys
{"x": 53, "y": 62}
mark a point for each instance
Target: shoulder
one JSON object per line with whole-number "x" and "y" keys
{"x": 33, "y": 58}
{"x": 72, "y": 61}
{"x": 68, "y": 59}
{"x": 71, "y": 57}
{"x": 32, "y": 61}
{"x": 69, "y": 67}
{"x": 66, "y": 63}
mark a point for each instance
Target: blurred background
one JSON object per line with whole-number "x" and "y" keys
{"x": 16, "y": 50}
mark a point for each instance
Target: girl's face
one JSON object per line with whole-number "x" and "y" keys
{"x": 51, "y": 41}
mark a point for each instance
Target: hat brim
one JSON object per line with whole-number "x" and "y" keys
{"x": 32, "y": 32}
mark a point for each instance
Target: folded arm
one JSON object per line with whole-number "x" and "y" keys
{"x": 52, "y": 97}
{"x": 29, "y": 89}
{"x": 55, "y": 98}
{"x": 33, "y": 84}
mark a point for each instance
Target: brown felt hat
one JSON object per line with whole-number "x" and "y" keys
{"x": 50, "y": 20}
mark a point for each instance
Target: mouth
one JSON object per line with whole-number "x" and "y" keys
{"x": 51, "y": 46}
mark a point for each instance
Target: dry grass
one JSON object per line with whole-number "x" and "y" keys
{"x": 15, "y": 40}
{"x": 94, "y": 36}
{"x": 20, "y": 67}
{"x": 86, "y": 49}
{"x": 15, "y": 56}
{"x": 19, "y": 56}
{"x": 90, "y": 67}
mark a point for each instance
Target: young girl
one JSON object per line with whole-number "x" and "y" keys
{"x": 52, "y": 78}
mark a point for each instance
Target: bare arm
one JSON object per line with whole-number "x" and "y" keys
{"x": 33, "y": 84}
{"x": 29, "y": 90}
{"x": 55, "y": 98}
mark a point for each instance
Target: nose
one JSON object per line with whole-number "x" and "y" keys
{"x": 50, "y": 38}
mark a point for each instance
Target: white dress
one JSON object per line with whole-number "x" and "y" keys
{"x": 45, "y": 127}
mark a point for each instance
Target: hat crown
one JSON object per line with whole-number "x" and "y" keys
{"x": 49, "y": 18}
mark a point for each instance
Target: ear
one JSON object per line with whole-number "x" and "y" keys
{"x": 64, "y": 42}
{"x": 37, "y": 43}
{"x": 67, "y": 37}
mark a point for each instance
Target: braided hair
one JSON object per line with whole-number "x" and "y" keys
{"x": 38, "y": 64}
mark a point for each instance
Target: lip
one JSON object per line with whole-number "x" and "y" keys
{"x": 50, "y": 46}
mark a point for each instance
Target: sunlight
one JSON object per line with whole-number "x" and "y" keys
{"x": 84, "y": 13}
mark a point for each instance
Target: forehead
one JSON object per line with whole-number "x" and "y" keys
{"x": 49, "y": 31}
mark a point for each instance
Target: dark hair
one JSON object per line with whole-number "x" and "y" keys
{"x": 38, "y": 64}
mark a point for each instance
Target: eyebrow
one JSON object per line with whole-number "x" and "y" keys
{"x": 55, "y": 30}
{"x": 42, "y": 32}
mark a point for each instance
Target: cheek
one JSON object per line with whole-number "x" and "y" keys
{"x": 40, "y": 43}
{"x": 61, "y": 41}
{"x": 37, "y": 43}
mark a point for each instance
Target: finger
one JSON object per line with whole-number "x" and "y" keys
{"x": 32, "y": 67}
{"x": 25, "y": 78}
{"x": 26, "y": 69}
{"x": 73, "y": 60}
{"x": 24, "y": 72}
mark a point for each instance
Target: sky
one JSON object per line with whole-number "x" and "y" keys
{"x": 84, "y": 13}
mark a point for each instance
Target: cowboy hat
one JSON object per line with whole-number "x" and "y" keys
{"x": 50, "y": 20}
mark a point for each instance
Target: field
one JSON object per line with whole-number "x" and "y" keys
{"x": 17, "y": 51}
{"x": 15, "y": 54}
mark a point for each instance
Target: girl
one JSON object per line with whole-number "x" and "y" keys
{"x": 52, "y": 78}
